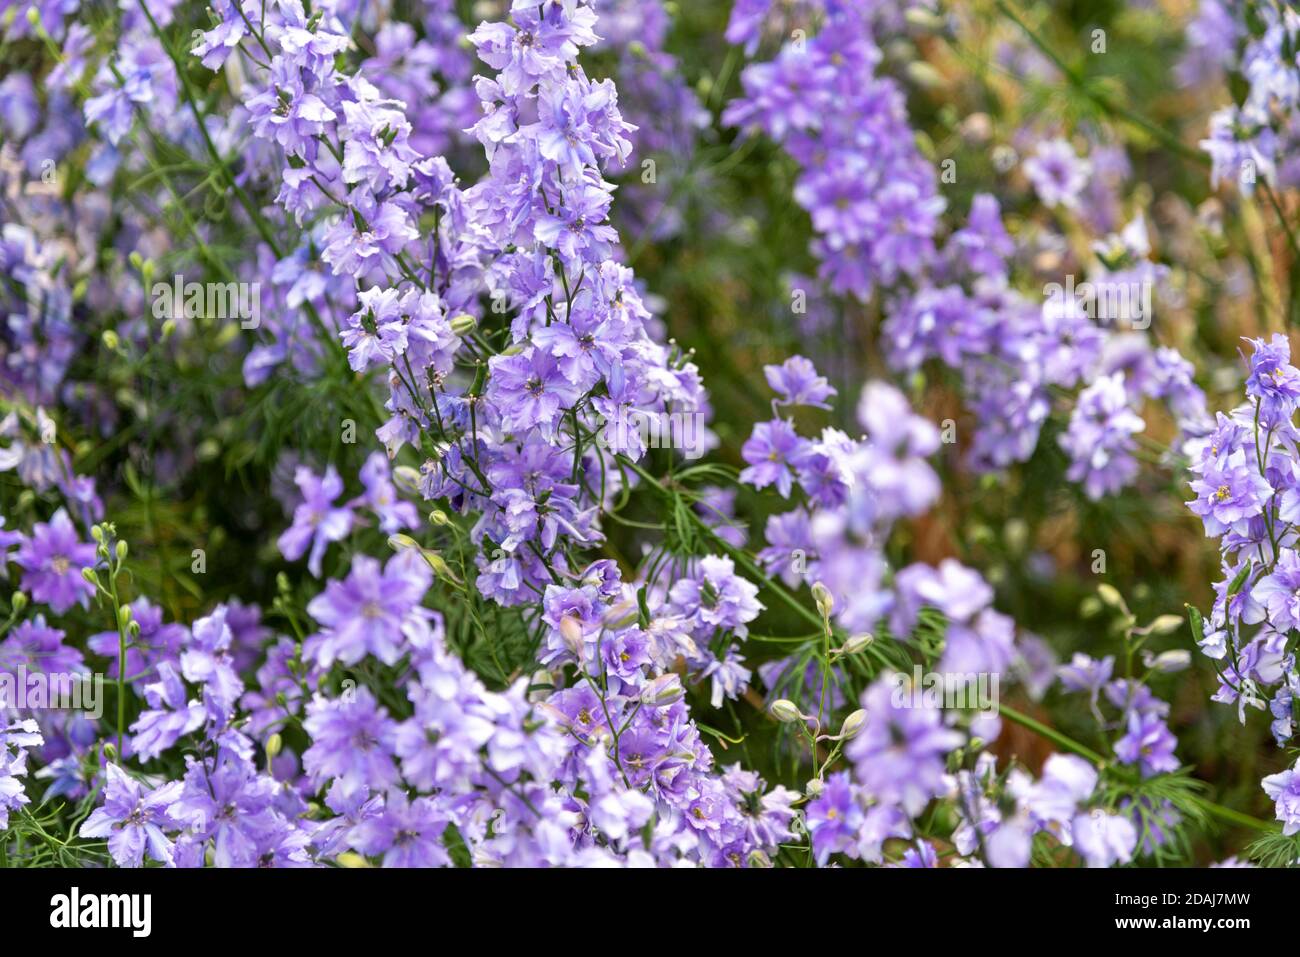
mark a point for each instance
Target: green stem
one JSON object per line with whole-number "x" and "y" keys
{"x": 121, "y": 667}
{"x": 1104, "y": 102}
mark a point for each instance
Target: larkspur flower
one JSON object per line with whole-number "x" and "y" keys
{"x": 53, "y": 559}
{"x": 899, "y": 754}
{"x": 1284, "y": 789}
{"x": 1057, "y": 173}
{"x": 134, "y": 819}
{"x": 1148, "y": 744}
{"x": 369, "y": 612}
{"x": 317, "y": 521}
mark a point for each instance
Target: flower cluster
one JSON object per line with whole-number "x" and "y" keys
{"x": 1247, "y": 493}
{"x": 1254, "y": 138}
{"x": 876, "y": 212}
{"x": 402, "y": 554}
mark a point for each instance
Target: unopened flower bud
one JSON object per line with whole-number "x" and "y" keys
{"x": 853, "y": 724}
{"x": 121, "y": 551}
{"x": 857, "y": 644}
{"x": 1165, "y": 625}
{"x": 1110, "y": 595}
{"x": 18, "y": 602}
{"x": 814, "y": 787}
{"x": 924, "y": 75}
{"x": 274, "y": 745}
{"x": 1169, "y": 662}
{"x": 662, "y": 691}
{"x": 439, "y": 517}
{"x": 623, "y": 615}
{"x": 784, "y": 710}
{"x": 89, "y": 575}
{"x": 825, "y": 600}
{"x": 439, "y": 565}
{"x": 571, "y": 632}
{"x": 399, "y": 542}
{"x": 464, "y": 324}
{"x": 407, "y": 479}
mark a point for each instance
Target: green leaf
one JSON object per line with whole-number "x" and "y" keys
{"x": 1240, "y": 579}
{"x": 1197, "y": 623}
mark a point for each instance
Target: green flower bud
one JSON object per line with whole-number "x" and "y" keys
{"x": 784, "y": 710}
{"x": 825, "y": 600}
{"x": 464, "y": 324}
{"x": 853, "y": 724}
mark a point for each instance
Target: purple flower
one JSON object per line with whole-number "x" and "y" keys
{"x": 381, "y": 496}
{"x": 714, "y": 596}
{"x": 530, "y": 389}
{"x": 15, "y": 740}
{"x": 797, "y": 383}
{"x": 1086, "y": 674}
{"x": 833, "y": 818}
{"x": 1229, "y": 493}
{"x": 899, "y": 755}
{"x": 156, "y": 642}
{"x": 1273, "y": 380}
{"x": 351, "y": 742}
{"x": 1279, "y": 592}
{"x": 1057, "y": 173}
{"x": 39, "y": 648}
{"x": 982, "y": 245}
{"x": 134, "y": 819}
{"x": 1284, "y": 789}
{"x": 1104, "y": 839}
{"x": 229, "y": 804}
{"x": 171, "y": 714}
{"x": 316, "y": 520}
{"x": 407, "y": 833}
{"x": 52, "y": 559}
{"x": 376, "y": 332}
{"x": 957, "y": 591}
{"x": 773, "y": 452}
{"x": 369, "y": 611}
{"x": 1099, "y": 439}
{"x": 1148, "y": 744}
